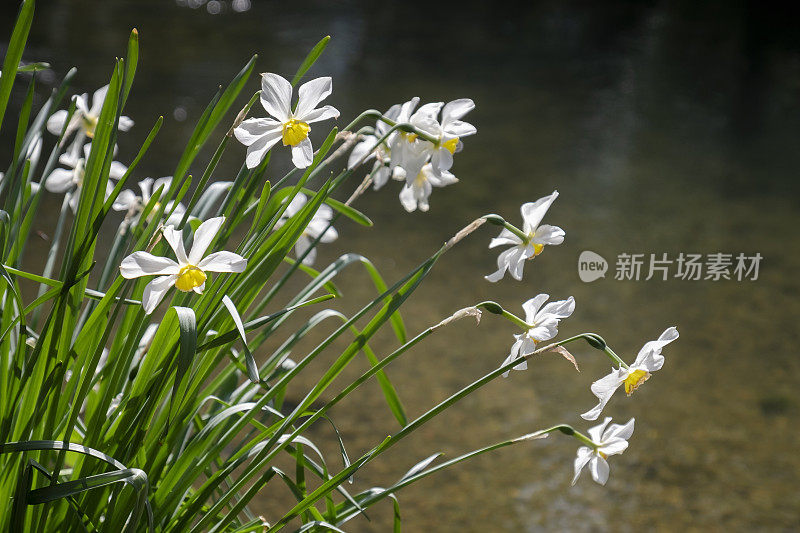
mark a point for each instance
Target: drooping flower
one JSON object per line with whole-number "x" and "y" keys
{"x": 70, "y": 179}
{"x": 647, "y": 361}
{"x": 316, "y": 227}
{"x": 537, "y": 236}
{"x": 189, "y": 272}
{"x": 292, "y": 127}
{"x": 133, "y": 204}
{"x": 543, "y": 322}
{"x": 415, "y": 194}
{"x": 84, "y": 117}
{"x": 370, "y": 147}
{"x": 609, "y": 440}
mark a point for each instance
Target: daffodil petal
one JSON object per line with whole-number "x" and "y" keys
{"x": 547, "y": 234}
{"x": 303, "y": 154}
{"x": 257, "y": 150}
{"x": 310, "y": 94}
{"x": 362, "y": 150}
{"x": 304, "y": 243}
{"x": 253, "y": 129}
{"x": 599, "y": 469}
{"x": 175, "y": 240}
{"x": 604, "y": 389}
{"x": 60, "y": 180}
{"x": 125, "y": 200}
{"x": 98, "y": 98}
{"x": 323, "y": 113}
{"x": 649, "y": 357}
{"x": 203, "y": 237}
{"x": 456, "y": 109}
{"x": 145, "y": 264}
{"x": 125, "y": 123}
{"x": 559, "y": 309}
{"x": 276, "y": 95}
{"x": 223, "y": 262}
{"x": 155, "y": 291}
{"x": 506, "y": 237}
{"x": 584, "y": 455}
{"x": 117, "y": 170}
{"x": 620, "y": 431}
{"x": 615, "y": 447}
{"x": 533, "y": 212}
{"x": 56, "y": 121}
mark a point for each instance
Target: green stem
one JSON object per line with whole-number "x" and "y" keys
{"x": 497, "y": 220}
{"x": 403, "y": 126}
{"x": 411, "y": 427}
{"x": 497, "y": 309}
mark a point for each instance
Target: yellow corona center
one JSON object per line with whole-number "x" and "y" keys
{"x": 294, "y": 132}
{"x": 537, "y": 248}
{"x": 189, "y": 277}
{"x": 89, "y": 125}
{"x": 451, "y": 145}
{"x": 634, "y": 380}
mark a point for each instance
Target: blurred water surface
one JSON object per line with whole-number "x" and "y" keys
{"x": 667, "y": 127}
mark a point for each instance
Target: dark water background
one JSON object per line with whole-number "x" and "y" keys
{"x": 666, "y": 126}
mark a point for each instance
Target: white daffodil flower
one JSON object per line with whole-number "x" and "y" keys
{"x": 543, "y": 322}
{"x": 316, "y": 227}
{"x": 70, "y": 179}
{"x": 133, "y": 204}
{"x": 292, "y": 127}
{"x": 189, "y": 272}
{"x": 449, "y": 132}
{"x": 84, "y": 117}
{"x": 513, "y": 259}
{"x": 369, "y": 147}
{"x": 609, "y": 440}
{"x": 647, "y": 361}
{"x": 415, "y": 194}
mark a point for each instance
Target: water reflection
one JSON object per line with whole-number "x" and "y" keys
{"x": 667, "y": 127}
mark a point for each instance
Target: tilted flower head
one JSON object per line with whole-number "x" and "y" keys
{"x": 449, "y": 132}
{"x": 316, "y": 227}
{"x": 70, "y": 179}
{"x": 292, "y": 127}
{"x": 189, "y": 272}
{"x": 513, "y": 259}
{"x": 134, "y": 204}
{"x": 415, "y": 194}
{"x": 543, "y": 321}
{"x": 84, "y": 117}
{"x": 649, "y": 360}
{"x": 370, "y": 147}
{"x": 609, "y": 440}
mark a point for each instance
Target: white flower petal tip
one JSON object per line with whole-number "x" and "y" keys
{"x": 290, "y": 127}
{"x": 537, "y": 236}
{"x": 647, "y": 361}
{"x": 608, "y": 440}
{"x": 188, "y": 273}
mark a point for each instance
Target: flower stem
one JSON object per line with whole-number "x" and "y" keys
{"x": 497, "y": 309}
{"x": 497, "y": 220}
